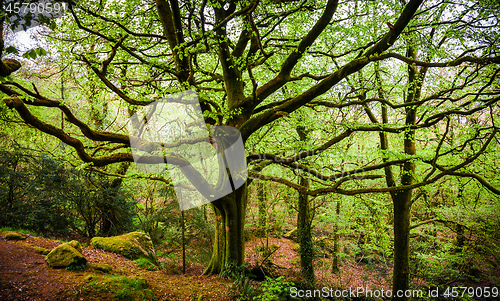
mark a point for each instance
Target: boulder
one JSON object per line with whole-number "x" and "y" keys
{"x": 65, "y": 255}
{"x": 132, "y": 245}
{"x": 291, "y": 234}
{"x": 41, "y": 250}
{"x": 11, "y": 235}
{"x": 75, "y": 244}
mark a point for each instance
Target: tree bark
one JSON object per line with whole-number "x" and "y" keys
{"x": 401, "y": 272}
{"x": 183, "y": 228}
{"x": 460, "y": 238}
{"x": 229, "y": 242}
{"x": 304, "y": 220}
{"x": 305, "y": 238}
{"x": 335, "y": 260}
{"x": 402, "y": 199}
{"x": 262, "y": 203}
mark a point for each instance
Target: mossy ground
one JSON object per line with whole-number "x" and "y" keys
{"x": 145, "y": 263}
{"x": 11, "y": 235}
{"x": 24, "y": 275}
{"x": 101, "y": 287}
{"x": 41, "y": 250}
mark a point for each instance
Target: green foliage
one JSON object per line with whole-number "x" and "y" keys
{"x": 154, "y": 214}
{"x": 33, "y": 196}
{"x": 30, "y": 232}
{"x": 76, "y": 267}
{"x": 242, "y": 286}
{"x": 145, "y": 263}
{"x": 56, "y": 198}
{"x": 33, "y": 53}
{"x": 274, "y": 289}
{"x": 39, "y": 193}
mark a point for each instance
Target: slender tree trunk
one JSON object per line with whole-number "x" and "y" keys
{"x": 183, "y": 226}
{"x": 262, "y": 203}
{"x": 335, "y": 260}
{"x": 402, "y": 199}
{"x": 306, "y": 250}
{"x": 460, "y": 238}
{"x": 401, "y": 272}
{"x": 229, "y": 243}
{"x": 305, "y": 238}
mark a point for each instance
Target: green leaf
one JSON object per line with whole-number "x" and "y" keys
{"x": 43, "y": 19}
{"x": 11, "y": 49}
{"x": 40, "y": 51}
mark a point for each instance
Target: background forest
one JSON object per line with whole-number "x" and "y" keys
{"x": 370, "y": 130}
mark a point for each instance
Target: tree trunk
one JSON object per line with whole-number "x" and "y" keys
{"x": 401, "y": 272}
{"x": 335, "y": 260}
{"x": 460, "y": 238}
{"x": 305, "y": 238}
{"x": 304, "y": 221}
{"x": 229, "y": 243}
{"x": 402, "y": 199}
{"x": 262, "y": 203}
{"x": 183, "y": 228}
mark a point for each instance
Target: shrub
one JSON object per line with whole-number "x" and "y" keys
{"x": 42, "y": 194}
{"x": 76, "y": 267}
{"x": 274, "y": 289}
{"x": 145, "y": 263}
{"x": 242, "y": 286}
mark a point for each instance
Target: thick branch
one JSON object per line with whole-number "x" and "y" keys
{"x": 286, "y": 68}
{"x": 323, "y": 86}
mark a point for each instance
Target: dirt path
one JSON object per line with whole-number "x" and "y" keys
{"x": 24, "y": 275}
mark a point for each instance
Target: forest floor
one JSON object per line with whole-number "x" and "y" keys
{"x": 24, "y": 275}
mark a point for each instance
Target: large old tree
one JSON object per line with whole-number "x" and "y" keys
{"x": 341, "y": 70}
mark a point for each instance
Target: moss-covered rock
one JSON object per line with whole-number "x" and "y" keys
{"x": 75, "y": 244}
{"x": 65, "y": 255}
{"x": 41, "y": 250}
{"x": 11, "y": 235}
{"x": 102, "y": 267}
{"x": 292, "y": 234}
{"x": 115, "y": 287}
{"x": 132, "y": 245}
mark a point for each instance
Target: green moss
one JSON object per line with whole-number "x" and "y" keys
{"x": 75, "y": 244}
{"x": 122, "y": 288}
{"x": 102, "y": 267}
{"x": 41, "y": 250}
{"x": 65, "y": 255}
{"x": 76, "y": 267}
{"x": 132, "y": 245}
{"x": 4, "y": 230}
{"x": 11, "y": 235}
{"x": 144, "y": 263}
